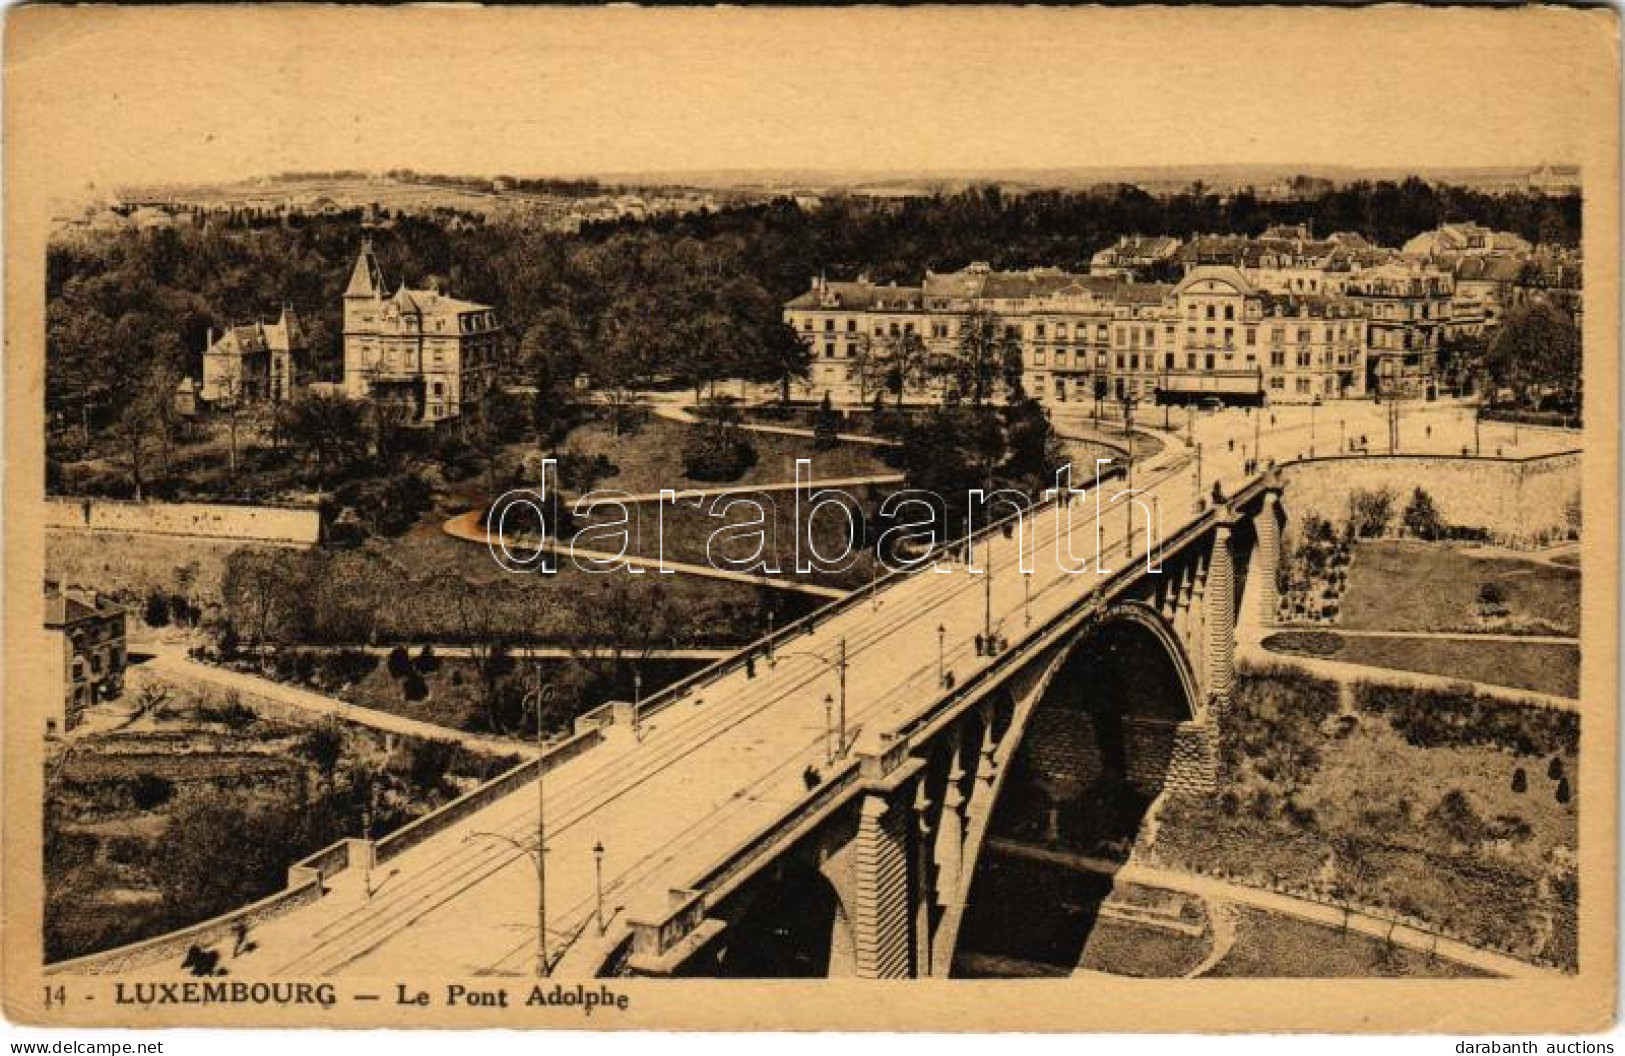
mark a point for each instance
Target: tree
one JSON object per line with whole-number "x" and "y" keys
{"x": 476, "y": 618}
{"x": 1563, "y": 792}
{"x": 625, "y": 620}
{"x": 1421, "y": 517}
{"x": 826, "y": 425}
{"x": 717, "y": 449}
{"x": 142, "y": 424}
{"x": 901, "y": 361}
{"x": 266, "y": 593}
{"x": 156, "y": 612}
{"x": 1371, "y": 511}
{"x": 324, "y": 747}
{"x": 331, "y": 428}
{"x": 784, "y": 358}
{"x": 988, "y": 364}
{"x": 1536, "y": 349}
{"x": 1520, "y": 781}
{"x": 399, "y": 662}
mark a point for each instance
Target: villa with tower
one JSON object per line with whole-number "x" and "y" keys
{"x": 428, "y": 354}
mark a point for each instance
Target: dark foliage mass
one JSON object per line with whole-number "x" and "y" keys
{"x": 688, "y": 298}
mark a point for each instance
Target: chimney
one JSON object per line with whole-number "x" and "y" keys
{"x": 210, "y": 342}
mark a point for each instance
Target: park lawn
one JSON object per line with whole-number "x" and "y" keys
{"x": 651, "y": 457}
{"x": 1353, "y": 777}
{"x": 1142, "y": 951}
{"x": 544, "y": 607}
{"x": 1273, "y": 946}
{"x": 1537, "y": 666}
{"x": 685, "y": 532}
{"x": 1397, "y": 585}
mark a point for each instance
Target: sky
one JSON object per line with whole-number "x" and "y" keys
{"x": 133, "y": 96}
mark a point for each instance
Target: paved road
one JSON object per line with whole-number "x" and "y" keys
{"x": 172, "y": 661}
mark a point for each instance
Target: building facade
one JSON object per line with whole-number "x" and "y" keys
{"x": 91, "y": 634}
{"x": 256, "y": 362}
{"x": 1408, "y": 309}
{"x": 431, "y": 356}
{"x": 1088, "y": 338}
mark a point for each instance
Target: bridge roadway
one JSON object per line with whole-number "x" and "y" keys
{"x": 716, "y": 768}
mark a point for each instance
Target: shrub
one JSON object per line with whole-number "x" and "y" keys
{"x": 1491, "y": 600}
{"x": 399, "y": 662}
{"x": 717, "y": 449}
{"x": 156, "y": 611}
{"x": 149, "y": 791}
{"x": 1448, "y": 718}
{"x": 1370, "y": 512}
{"x": 581, "y": 472}
{"x": 1554, "y": 769}
{"x": 1421, "y": 517}
{"x": 427, "y": 662}
{"x": 1563, "y": 790}
{"x": 347, "y": 666}
{"x": 232, "y": 713}
{"x": 1520, "y": 781}
{"x": 427, "y": 764}
{"x": 323, "y": 747}
{"x": 413, "y": 688}
{"x": 1455, "y": 816}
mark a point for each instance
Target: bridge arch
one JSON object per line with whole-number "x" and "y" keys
{"x": 1117, "y": 717}
{"x": 792, "y": 924}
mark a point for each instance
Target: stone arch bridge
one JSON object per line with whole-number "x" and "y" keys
{"x": 881, "y": 873}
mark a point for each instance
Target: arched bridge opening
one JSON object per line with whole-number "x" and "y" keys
{"x": 1117, "y": 723}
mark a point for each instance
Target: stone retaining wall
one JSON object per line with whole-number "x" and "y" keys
{"x": 289, "y": 526}
{"x": 1520, "y": 503}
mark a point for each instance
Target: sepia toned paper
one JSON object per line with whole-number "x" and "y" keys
{"x": 103, "y": 100}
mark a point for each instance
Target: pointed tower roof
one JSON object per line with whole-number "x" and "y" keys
{"x": 367, "y": 280}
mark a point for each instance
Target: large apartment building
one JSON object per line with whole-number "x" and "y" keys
{"x": 1214, "y": 334}
{"x": 430, "y": 355}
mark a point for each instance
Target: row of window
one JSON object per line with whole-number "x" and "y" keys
{"x": 1126, "y": 336}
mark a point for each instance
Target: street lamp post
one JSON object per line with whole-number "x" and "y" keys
{"x": 598, "y": 881}
{"x": 1198, "y": 476}
{"x": 942, "y": 637}
{"x": 535, "y": 853}
{"x": 829, "y": 730}
{"x": 839, "y": 666}
{"x": 540, "y": 695}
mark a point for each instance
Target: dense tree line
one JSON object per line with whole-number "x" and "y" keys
{"x": 688, "y": 298}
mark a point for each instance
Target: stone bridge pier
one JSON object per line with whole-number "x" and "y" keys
{"x": 1064, "y": 745}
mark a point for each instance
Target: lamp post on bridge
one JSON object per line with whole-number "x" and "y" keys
{"x": 598, "y": 881}
{"x": 538, "y": 859}
{"x": 942, "y": 637}
{"x": 838, "y": 665}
